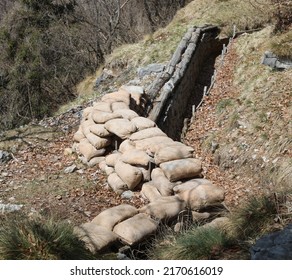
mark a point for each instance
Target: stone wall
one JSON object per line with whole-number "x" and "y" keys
{"x": 178, "y": 88}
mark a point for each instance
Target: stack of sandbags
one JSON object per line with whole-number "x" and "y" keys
{"x": 110, "y": 117}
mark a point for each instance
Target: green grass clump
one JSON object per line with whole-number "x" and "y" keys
{"x": 33, "y": 239}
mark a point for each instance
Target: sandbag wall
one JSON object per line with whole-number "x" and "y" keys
{"x": 138, "y": 156}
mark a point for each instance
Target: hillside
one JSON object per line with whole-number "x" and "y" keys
{"x": 242, "y": 131}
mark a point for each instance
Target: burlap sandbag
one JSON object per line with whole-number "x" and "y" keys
{"x": 86, "y": 113}
{"x": 164, "y": 208}
{"x": 102, "y": 117}
{"x": 118, "y": 96}
{"x": 164, "y": 186}
{"x": 135, "y": 229}
{"x": 181, "y": 168}
{"x": 95, "y": 161}
{"x": 146, "y": 173}
{"x": 98, "y": 142}
{"x": 123, "y": 128}
{"x": 119, "y": 105}
{"x": 112, "y": 159}
{"x": 126, "y": 145}
{"x": 136, "y": 157}
{"x": 150, "y": 192}
{"x": 85, "y": 126}
{"x": 202, "y": 196}
{"x": 112, "y": 216}
{"x": 173, "y": 152}
{"x": 143, "y": 123}
{"x": 127, "y": 113}
{"x": 116, "y": 183}
{"x": 131, "y": 175}
{"x": 153, "y": 144}
{"x": 99, "y": 130}
{"x": 102, "y": 106}
{"x": 190, "y": 184}
{"x": 89, "y": 151}
{"x": 95, "y": 237}
{"x": 78, "y": 135}
{"x": 102, "y": 165}
{"x": 109, "y": 170}
{"x": 136, "y": 92}
{"x": 147, "y": 133}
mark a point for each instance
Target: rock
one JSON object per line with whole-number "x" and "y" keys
{"x": 10, "y": 207}
{"x": 70, "y": 169}
{"x": 273, "y": 61}
{"x": 127, "y": 195}
{"x": 68, "y": 151}
{"x": 105, "y": 75}
{"x": 151, "y": 68}
{"x": 5, "y": 156}
{"x": 274, "y": 246}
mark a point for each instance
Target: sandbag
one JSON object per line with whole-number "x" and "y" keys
{"x": 95, "y": 237}
{"x": 131, "y": 175}
{"x": 181, "y": 168}
{"x": 143, "y": 123}
{"x": 164, "y": 186}
{"x": 118, "y": 96}
{"x": 147, "y": 133}
{"x": 126, "y": 145}
{"x": 150, "y": 192}
{"x": 102, "y": 117}
{"x": 135, "y": 229}
{"x": 153, "y": 144}
{"x": 119, "y": 105}
{"x": 95, "y": 161}
{"x": 116, "y": 183}
{"x": 98, "y": 142}
{"x": 112, "y": 159}
{"x": 202, "y": 196}
{"x": 99, "y": 130}
{"x": 146, "y": 173}
{"x": 136, "y": 157}
{"x": 78, "y": 135}
{"x": 112, "y": 216}
{"x": 123, "y": 128}
{"x": 86, "y": 113}
{"x": 190, "y": 184}
{"x": 127, "y": 113}
{"x": 109, "y": 170}
{"x": 172, "y": 153}
{"x": 89, "y": 151}
{"x": 102, "y": 106}
{"x": 102, "y": 165}
{"x": 164, "y": 208}
{"x": 85, "y": 126}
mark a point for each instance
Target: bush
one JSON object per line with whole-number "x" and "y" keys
{"x": 33, "y": 239}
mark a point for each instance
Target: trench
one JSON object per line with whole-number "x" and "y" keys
{"x": 173, "y": 100}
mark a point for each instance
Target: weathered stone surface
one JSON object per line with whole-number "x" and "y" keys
{"x": 112, "y": 216}
{"x": 5, "y": 156}
{"x": 273, "y": 61}
{"x": 96, "y": 238}
{"x": 149, "y": 69}
{"x": 135, "y": 229}
{"x": 274, "y": 246}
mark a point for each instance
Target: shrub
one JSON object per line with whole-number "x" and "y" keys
{"x": 33, "y": 239}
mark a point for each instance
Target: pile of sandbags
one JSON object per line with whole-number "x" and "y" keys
{"x": 111, "y": 117}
